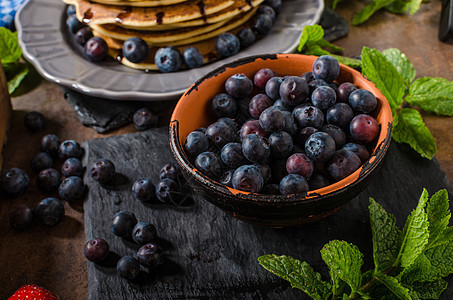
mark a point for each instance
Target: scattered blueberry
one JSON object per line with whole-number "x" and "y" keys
{"x": 150, "y": 255}
{"x": 96, "y": 49}
{"x": 168, "y": 59}
{"x": 71, "y": 189}
{"x": 70, "y": 10}
{"x": 266, "y": 9}
{"x": 227, "y": 44}
{"x": 246, "y": 37}
{"x": 34, "y": 121}
{"x": 83, "y": 35}
{"x": 41, "y": 161}
{"x": 144, "y": 190}
{"x": 144, "y": 119}
{"x": 21, "y": 217}
{"x": 144, "y": 233}
{"x": 14, "y": 182}
{"x": 123, "y": 223}
{"x": 275, "y": 4}
{"x": 168, "y": 191}
{"x": 103, "y": 171}
{"x": 73, "y": 23}
{"x": 50, "y": 211}
{"x": 128, "y": 267}
{"x": 262, "y": 24}
{"x": 96, "y": 250}
{"x": 170, "y": 170}
{"x": 50, "y": 144}
{"x": 70, "y": 148}
{"x": 192, "y": 57}
{"x": 72, "y": 167}
{"x": 135, "y": 50}
{"x": 48, "y": 180}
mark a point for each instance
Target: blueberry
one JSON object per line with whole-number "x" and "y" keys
{"x": 262, "y": 76}
{"x": 262, "y": 24}
{"x": 304, "y": 134}
{"x": 344, "y": 90}
{"x": 34, "y": 121}
{"x": 248, "y": 178}
{"x": 144, "y": 233}
{"x": 323, "y": 97}
{"x": 144, "y": 190}
{"x": 307, "y": 76}
{"x": 168, "y": 191}
{"x": 170, "y": 170}
{"x": 252, "y": 126}
{"x": 271, "y": 189}
{"x": 103, "y": 171}
{"x": 360, "y": 150}
{"x": 336, "y": 133}
{"x": 232, "y": 156}
{"x": 72, "y": 167}
{"x": 364, "y": 128}
{"x": 70, "y": 148}
{"x": 72, "y": 189}
{"x": 290, "y": 123}
{"x": 294, "y": 90}
{"x": 272, "y": 87}
{"x": 326, "y": 67}
{"x": 144, "y": 119}
{"x": 239, "y": 85}
{"x": 135, "y": 50}
{"x": 14, "y": 182}
{"x": 230, "y": 122}
{"x": 123, "y": 223}
{"x": 258, "y": 104}
{"x": 275, "y": 4}
{"x": 209, "y": 164}
{"x": 281, "y": 144}
{"x": 227, "y": 178}
{"x": 320, "y": 146}
{"x": 168, "y": 59}
{"x": 293, "y": 184}
{"x": 266, "y": 9}
{"x": 339, "y": 114}
{"x": 224, "y": 105}
{"x": 192, "y": 57}
{"x": 73, "y": 23}
{"x": 128, "y": 267}
{"x": 83, "y": 35}
{"x": 308, "y": 116}
{"x": 50, "y": 144}
{"x": 272, "y": 119}
{"x": 96, "y": 49}
{"x": 21, "y": 217}
{"x": 282, "y": 105}
{"x": 227, "y": 44}
{"x": 246, "y": 37}
{"x": 48, "y": 180}
{"x": 150, "y": 255}
{"x": 96, "y": 250}
{"x": 70, "y": 10}
{"x": 362, "y": 101}
{"x": 196, "y": 143}
{"x": 301, "y": 164}
{"x": 220, "y": 133}
{"x": 343, "y": 163}
{"x": 314, "y": 84}
{"x": 317, "y": 181}
{"x": 41, "y": 161}
{"x": 256, "y": 148}
{"x": 265, "y": 171}
{"x": 50, "y": 211}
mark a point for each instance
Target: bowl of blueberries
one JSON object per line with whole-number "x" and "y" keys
{"x": 281, "y": 139}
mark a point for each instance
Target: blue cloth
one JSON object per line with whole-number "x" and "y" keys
{"x": 8, "y": 9}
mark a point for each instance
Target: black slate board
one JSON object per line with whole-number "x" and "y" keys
{"x": 211, "y": 255}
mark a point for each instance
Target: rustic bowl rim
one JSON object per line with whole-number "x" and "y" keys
{"x": 334, "y": 189}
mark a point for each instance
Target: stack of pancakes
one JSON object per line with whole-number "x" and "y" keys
{"x": 162, "y": 23}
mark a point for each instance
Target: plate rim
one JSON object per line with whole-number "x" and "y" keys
{"x": 117, "y": 95}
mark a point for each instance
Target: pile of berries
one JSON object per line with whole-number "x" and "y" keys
{"x": 286, "y": 134}
{"x": 67, "y": 183}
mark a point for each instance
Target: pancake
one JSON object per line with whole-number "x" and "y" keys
{"x": 95, "y": 13}
{"x": 240, "y": 6}
{"x": 142, "y": 3}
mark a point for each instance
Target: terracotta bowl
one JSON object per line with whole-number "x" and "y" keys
{"x": 194, "y": 111}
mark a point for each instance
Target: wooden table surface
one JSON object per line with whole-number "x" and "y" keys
{"x": 53, "y": 257}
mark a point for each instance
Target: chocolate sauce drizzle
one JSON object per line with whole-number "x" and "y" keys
{"x": 125, "y": 13}
{"x": 87, "y": 16}
{"x": 202, "y": 7}
{"x": 160, "y": 17}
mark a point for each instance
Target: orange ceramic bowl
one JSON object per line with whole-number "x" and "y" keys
{"x": 194, "y": 111}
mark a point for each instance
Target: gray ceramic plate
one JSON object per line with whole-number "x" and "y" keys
{"x": 45, "y": 41}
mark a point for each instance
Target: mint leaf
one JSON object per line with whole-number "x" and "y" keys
{"x": 369, "y": 10}
{"x": 310, "y": 34}
{"x": 334, "y": 4}
{"x": 441, "y": 259}
{"x": 415, "y": 234}
{"x": 351, "y": 62}
{"x": 438, "y": 215}
{"x": 385, "y": 235}
{"x": 420, "y": 270}
{"x": 19, "y": 75}
{"x": 402, "y": 6}
{"x": 430, "y": 290}
{"x": 394, "y": 286}
{"x": 384, "y": 75}
{"x": 402, "y": 64}
{"x": 315, "y": 50}
{"x": 345, "y": 260}
{"x": 432, "y": 94}
{"x": 298, "y": 273}
{"x": 408, "y": 127}
{"x": 10, "y": 51}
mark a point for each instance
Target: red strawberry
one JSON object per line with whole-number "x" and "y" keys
{"x": 32, "y": 292}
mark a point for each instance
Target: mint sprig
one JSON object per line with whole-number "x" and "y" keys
{"x": 10, "y": 57}
{"x": 408, "y": 263}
